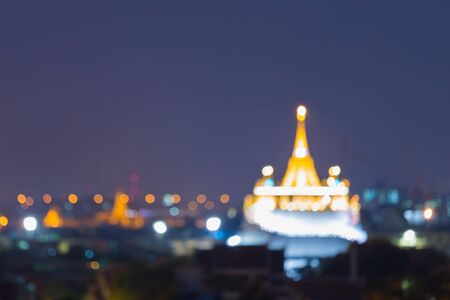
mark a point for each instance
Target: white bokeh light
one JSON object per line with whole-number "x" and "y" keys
{"x": 30, "y": 223}
{"x": 233, "y": 241}
{"x": 160, "y": 227}
{"x": 213, "y": 223}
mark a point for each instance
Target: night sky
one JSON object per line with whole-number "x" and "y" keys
{"x": 197, "y": 96}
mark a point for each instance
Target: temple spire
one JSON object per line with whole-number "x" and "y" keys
{"x": 301, "y": 170}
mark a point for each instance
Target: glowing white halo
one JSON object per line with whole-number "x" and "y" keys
{"x": 300, "y": 191}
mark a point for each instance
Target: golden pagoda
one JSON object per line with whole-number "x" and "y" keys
{"x": 121, "y": 216}
{"x": 53, "y": 218}
{"x": 301, "y": 204}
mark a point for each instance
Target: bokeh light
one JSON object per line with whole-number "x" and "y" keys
{"x": 21, "y": 198}
{"x": 98, "y": 198}
{"x": 72, "y": 198}
{"x": 213, "y": 224}
{"x": 47, "y": 198}
{"x": 3, "y": 221}
{"x": 150, "y": 198}
{"x": 224, "y": 198}
{"x": 201, "y": 198}
{"x": 30, "y": 223}
{"x": 209, "y": 205}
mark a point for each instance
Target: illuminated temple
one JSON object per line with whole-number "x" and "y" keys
{"x": 301, "y": 204}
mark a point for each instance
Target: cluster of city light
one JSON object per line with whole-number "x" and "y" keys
{"x": 168, "y": 200}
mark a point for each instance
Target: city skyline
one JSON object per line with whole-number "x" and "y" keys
{"x": 200, "y": 109}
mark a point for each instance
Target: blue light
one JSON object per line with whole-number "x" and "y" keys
{"x": 23, "y": 245}
{"x": 269, "y": 182}
{"x": 167, "y": 200}
{"x": 68, "y": 206}
{"x": 89, "y": 254}
{"x": 174, "y": 211}
{"x": 51, "y": 251}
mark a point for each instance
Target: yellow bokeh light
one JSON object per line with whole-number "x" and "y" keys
{"x": 149, "y": 198}
{"x": 3, "y": 221}
{"x": 94, "y": 265}
{"x": 21, "y": 198}
{"x": 301, "y": 113}
{"x": 64, "y": 247}
{"x": 98, "y": 198}
{"x": 72, "y": 198}
{"x": 201, "y": 198}
{"x": 224, "y": 198}
{"x": 47, "y": 198}
{"x": 334, "y": 171}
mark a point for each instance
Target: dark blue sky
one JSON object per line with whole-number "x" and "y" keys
{"x": 196, "y": 96}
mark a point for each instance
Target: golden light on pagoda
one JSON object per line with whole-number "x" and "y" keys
{"x": 150, "y": 198}
{"x": 72, "y": 198}
{"x": 3, "y": 221}
{"x": 301, "y": 113}
{"x": 267, "y": 171}
{"x": 98, "y": 198}
{"x": 52, "y": 219}
{"x": 334, "y": 171}
{"x": 201, "y": 198}
{"x": 301, "y": 152}
{"x": 47, "y": 198}
{"x": 331, "y": 181}
{"x": 224, "y": 198}
{"x": 21, "y": 198}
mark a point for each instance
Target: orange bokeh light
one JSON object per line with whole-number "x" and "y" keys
{"x": 47, "y": 198}
{"x": 201, "y": 198}
{"x": 72, "y": 198}
{"x": 98, "y": 198}
{"x": 21, "y": 198}
{"x": 176, "y": 198}
{"x": 124, "y": 198}
{"x": 224, "y": 198}
{"x": 150, "y": 198}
